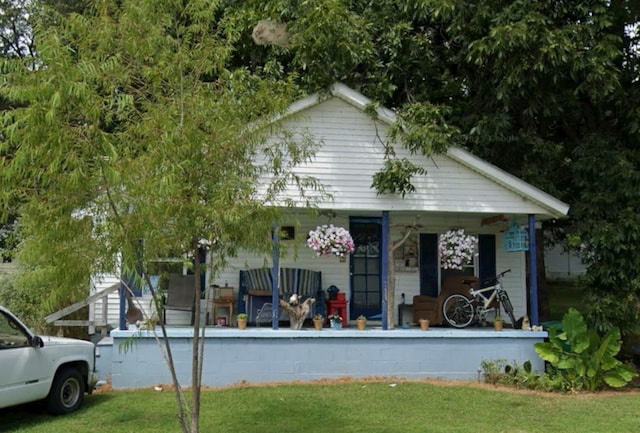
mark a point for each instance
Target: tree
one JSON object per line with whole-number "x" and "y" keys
{"x": 134, "y": 139}
{"x": 553, "y": 97}
{"x": 17, "y": 41}
{"x": 15, "y": 33}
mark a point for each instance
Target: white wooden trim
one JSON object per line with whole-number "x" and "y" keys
{"x": 556, "y": 207}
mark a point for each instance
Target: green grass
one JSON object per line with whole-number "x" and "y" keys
{"x": 351, "y": 407}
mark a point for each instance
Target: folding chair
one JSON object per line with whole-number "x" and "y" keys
{"x": 180, "y": 295}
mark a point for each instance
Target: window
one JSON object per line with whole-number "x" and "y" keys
{"x": 11, "y": 334}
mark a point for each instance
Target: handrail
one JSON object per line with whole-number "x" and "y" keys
{"x": 78, "y": 305}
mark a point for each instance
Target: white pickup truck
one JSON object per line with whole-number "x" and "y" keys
{"x": 32, "y": 368}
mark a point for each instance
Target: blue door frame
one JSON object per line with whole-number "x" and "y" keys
{"x": 365, "y": 267}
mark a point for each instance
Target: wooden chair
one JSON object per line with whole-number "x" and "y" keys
{"x": 180, "y": 295}
{"x": 428, "y": 307}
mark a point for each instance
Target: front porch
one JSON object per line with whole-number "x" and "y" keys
{"x": 260, "y": 355}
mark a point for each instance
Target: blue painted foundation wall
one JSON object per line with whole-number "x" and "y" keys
{"x": 264, "y": 355}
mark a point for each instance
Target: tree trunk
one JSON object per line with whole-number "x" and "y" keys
{"x": 543, "y": 288}
{"x": 196, "y": 365}
{"x": 391, "y": 271}
{"x": 543, "y": 292}
{"x": 298, "y": 312}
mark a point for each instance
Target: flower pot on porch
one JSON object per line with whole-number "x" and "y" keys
{"x": 498, "y": 324}
{"x": 361, "y": 323}
{"x": 336, "y": 324}
{"x": 424, "y": 324}
{"x": 318, "y": 322}
{"x": 242, "y": 321}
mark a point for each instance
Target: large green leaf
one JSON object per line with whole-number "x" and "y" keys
{"x": 547, "y": 352}
{"x": 575, "y": 329}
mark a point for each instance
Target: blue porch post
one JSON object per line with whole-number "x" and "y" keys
{"x": 533, "y": 271}
{"x": 275, "y": 277}
{"x": 384, "y": 267}
{"x": 122, "y": 322}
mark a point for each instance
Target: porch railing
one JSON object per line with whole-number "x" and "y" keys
{"x": 103, "y": 324}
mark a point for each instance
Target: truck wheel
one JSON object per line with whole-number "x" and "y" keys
{"x": 67, "y": 391}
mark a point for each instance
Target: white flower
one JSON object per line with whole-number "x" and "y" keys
{"x": 327, "y": 240}
{"x": 456, "y": 249}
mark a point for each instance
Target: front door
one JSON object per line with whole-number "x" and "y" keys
{"x": 365, "y": 267}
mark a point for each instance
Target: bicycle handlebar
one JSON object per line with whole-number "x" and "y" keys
{"x": 503, "y": 273}
{"x": 500, "y": 275}
{"x": 486, "y": 280}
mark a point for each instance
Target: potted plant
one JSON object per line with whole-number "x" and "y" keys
{"x": 318, "y": 322}
{"x": 335, "y": 320}
{"x": 242, "y": 320}
{"x": 498, "y": 323}
{"x": 424, "y": 324}
{"x": 361, "y": 322}
{"x": 456, "y": 249}
{"x": 329, "y": 240}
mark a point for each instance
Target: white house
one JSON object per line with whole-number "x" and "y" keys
{"x": 458, "y": 190}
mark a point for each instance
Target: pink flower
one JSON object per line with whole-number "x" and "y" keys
{"x": 329, "y": 240}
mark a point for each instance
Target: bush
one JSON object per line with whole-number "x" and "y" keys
{"x": 501, "y": 373}
{"x": 581, "y": 359}
{"x": 21, "y": 303}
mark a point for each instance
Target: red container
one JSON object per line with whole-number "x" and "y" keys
{"x": 342, "y": 296}
{"x": 222, "y": 321}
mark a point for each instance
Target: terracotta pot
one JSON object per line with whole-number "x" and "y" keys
{"x": 424, "y": 324}
{"x": 318, "y": 323}
{"x": 242, "y": 323}
{"x": 362, "y": 323}
{"x": 498, "y": 324}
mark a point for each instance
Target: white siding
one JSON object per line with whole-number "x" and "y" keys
{"x": 101, "y": 282}
{"x": 352, "y": 151}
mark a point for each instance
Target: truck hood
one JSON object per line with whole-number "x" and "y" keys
{"x": 62, "y": 341}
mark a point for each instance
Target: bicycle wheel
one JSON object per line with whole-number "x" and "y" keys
{"x": 457, "y": 311}
{"x": 506, "y": 303}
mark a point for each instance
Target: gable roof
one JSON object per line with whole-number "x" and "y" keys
{"x": 523, "y": 197}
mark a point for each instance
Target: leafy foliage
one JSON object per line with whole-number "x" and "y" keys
{"x": 134, "y": 140}
{"x": 519, "y": 376}
{"x": 396, "y": 177}
{"x": 583, "y": 359}
{"x": 19, "y": 302}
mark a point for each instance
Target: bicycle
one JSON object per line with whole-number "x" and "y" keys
{"x": 460, "y": 311}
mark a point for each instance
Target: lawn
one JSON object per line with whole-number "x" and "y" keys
{"x": 350, "y": 407}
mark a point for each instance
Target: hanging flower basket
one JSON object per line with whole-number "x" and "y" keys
{"x": 328, "y": 240}
{"x": 456, "y": 249}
